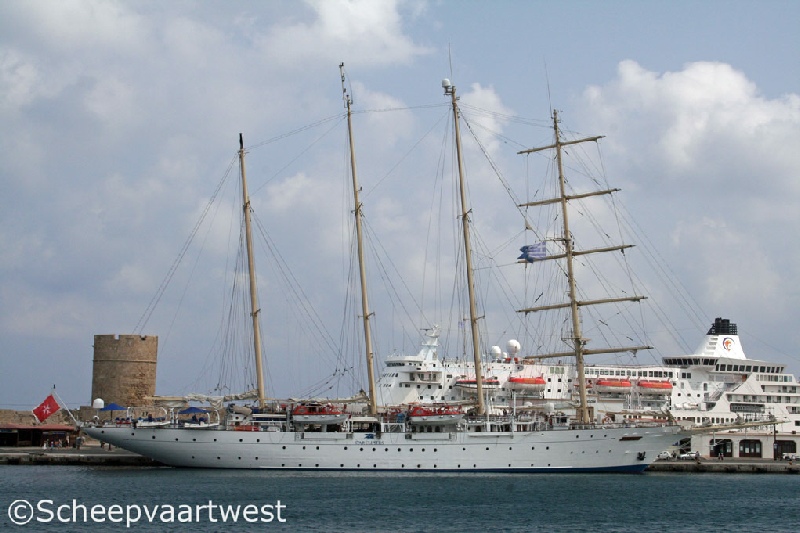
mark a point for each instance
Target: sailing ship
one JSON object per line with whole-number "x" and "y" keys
{"x": 429, "y": 437}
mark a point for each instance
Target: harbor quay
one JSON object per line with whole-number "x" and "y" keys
{"x": 90, "y": 454}
{"x": 738, "y": 465}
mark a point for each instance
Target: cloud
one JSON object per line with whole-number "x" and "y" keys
{"x": 709, "y": 160}
{"x": 706, "y": 119}
{"x": 365, "y": 32}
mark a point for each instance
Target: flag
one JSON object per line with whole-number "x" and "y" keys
{"x": 47, "y": 408}
{"x": 532, "y": 252}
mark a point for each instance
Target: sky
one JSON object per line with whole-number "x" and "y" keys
{"x": 118, "y": 120}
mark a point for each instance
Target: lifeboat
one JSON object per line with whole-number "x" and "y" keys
{"x": 609, "y": 385}
{"x": 471, "y": 384}
{"x": 432, "y": 416}
{"x": 526, "y": 383}
{"x": 654, "y": 386}
{"x": 316, "y": 413}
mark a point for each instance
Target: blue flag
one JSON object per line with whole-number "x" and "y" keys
{"x": 532, "y": 252}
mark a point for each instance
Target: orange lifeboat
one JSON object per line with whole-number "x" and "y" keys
{"x": 316, "y": 413}
{"x": 611, "y": 385}
{"x": 472, "y": 383}
{"x": 430, "y": 415}
{"x": 654, "y": 386}
{"x": 526, "y": 383}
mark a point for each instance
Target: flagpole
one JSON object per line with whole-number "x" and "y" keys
{"x": 63, "y": 405}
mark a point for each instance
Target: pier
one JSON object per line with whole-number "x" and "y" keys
{"x": 728, "y": 466}
{"x": 89, "y": 455}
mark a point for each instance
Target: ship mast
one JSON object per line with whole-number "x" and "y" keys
{"x": 373, "y": 408}
{"x": 254, "y": 311}
{"x": 579, "y": 349}
{"x": 473, "y": 313}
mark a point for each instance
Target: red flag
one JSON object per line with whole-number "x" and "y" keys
{"x": 47, "y": 408}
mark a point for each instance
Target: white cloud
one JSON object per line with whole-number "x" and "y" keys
{"x": 715, "y": 160}
{"x": 363, "y": 31}
{"x": 83, "y": 25}
{"x": 708, "y": 119}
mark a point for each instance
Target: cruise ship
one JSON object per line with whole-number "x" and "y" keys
{"x": 717, "y": 393}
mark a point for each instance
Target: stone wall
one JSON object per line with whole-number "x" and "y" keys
{"x": 10, "y": 416}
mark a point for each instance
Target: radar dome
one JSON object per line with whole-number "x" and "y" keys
{"x": 513, "y": 347}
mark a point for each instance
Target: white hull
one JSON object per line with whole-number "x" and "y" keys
{"x": 596, "y": 449}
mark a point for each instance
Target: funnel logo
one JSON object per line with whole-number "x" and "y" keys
{"x": 727, "y": 343}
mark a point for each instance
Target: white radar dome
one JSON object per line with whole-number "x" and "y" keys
{"x": 513, "y": 347}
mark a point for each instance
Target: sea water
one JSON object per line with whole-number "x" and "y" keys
{"x": 72, "y": 498}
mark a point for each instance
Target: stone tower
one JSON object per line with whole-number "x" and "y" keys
{"x": 124, "y": 369}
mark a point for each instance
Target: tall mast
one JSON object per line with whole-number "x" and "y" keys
{"x": 579, "y": 349}
{"x": 577, "y": 338}
{"x": 373, "y": 408}
{"x": 254, "y": 311}
{"x": 473, "y": 312}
